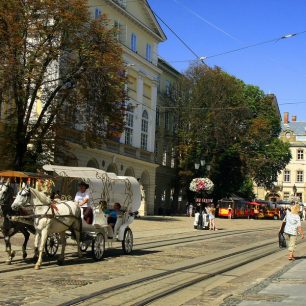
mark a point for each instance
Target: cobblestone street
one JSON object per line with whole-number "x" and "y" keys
{"x": 29, "y": 286}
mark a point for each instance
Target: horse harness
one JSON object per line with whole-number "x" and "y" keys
{"x": 51, "y": 207}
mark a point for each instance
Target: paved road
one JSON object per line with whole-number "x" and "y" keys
{"x": 26, "y": 286}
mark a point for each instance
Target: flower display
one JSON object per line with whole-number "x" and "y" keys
{"x": 201, "y": 184}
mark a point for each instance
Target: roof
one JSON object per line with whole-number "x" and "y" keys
{"x": 297, "y": 127}
{"x": 164, "y": 64}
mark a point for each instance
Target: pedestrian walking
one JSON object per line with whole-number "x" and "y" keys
{"x": 303, "y": 213}
{"x": 292, "y": 228}
{"x": 190, "y": 211}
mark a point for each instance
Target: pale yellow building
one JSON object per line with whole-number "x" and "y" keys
{"x": 133, "y": 154}
{"x": 291, "y": 182}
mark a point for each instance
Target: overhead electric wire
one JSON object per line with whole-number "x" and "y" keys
{"x": 176, "y": 35}
{"x": 246, "y": 47}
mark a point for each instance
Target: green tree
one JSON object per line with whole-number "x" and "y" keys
{"x": 234, "y": 126}
{"x": 58, "y": 67}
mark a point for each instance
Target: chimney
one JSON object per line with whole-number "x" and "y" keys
{"x": 293, "y": 118}
{"x": 286, "y": 117}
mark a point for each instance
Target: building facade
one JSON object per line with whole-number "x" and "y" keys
{"x": 133, "y": 154}
{"x": 166, "y": 195}
{"x": 291, "y": 182}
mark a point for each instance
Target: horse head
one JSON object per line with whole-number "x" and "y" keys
{"x": 22, "y": 198}
{"x": 6, "y": 193}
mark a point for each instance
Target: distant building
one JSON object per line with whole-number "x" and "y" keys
{"x": 291, "y": 182}
{"x": 165, "y": 141}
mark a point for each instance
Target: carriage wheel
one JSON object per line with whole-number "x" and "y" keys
{"x": 98, "y": 247}
{"x": 84, "y": 246}
{"x": 127, "y": 243}
{"x": 51, "y": 245}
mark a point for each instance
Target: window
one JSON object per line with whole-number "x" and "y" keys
{"x": 121, "y": 2}
{"x": 168, "y": 85}
{"x": 158, "y": 83}
{"x": 117, "y": 27}
{"x": 149, "y": 53}
{"x": 164, "y": 162}
{"x": 166, "y": 120}
{"x": 129, "y": 125}
{"x": 144, "y": 130}
{"x": 157, "y": 116}
{"x": 120, "y": 31}
{"x": 163, "y": 196}
{"x": 286, "y": 195}
{"x": 172, "y": 158}
{"x": 286, "y": 176}
{"x": 98, "y": 13}
{"x": 134, "y": 42}
{"x": 300, "y": 196}
{"x": 172, "y": 191}
{"x": 156, "y": 149}
{"x": 299, "y": 176}
{"x": 300, "y": 154}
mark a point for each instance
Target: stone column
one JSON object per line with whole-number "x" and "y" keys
{"x": 138, "y": 112}
{"x": 152, "y": 118}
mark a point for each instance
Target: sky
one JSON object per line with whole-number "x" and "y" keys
{"x": 210, "y": 27}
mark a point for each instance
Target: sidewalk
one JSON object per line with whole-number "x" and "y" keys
{"x": 287, "y": 289}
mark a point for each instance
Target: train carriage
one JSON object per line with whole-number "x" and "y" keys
{"x": 233, "y": 207}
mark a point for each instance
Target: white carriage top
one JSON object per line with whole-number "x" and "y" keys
{"x": 104, "y": 186}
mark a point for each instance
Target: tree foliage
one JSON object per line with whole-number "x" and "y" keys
{"x": 58, "y": 67}
{"x": 232, "y": 125}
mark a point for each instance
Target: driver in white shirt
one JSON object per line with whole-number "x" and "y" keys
{"x": 82, "y": 197}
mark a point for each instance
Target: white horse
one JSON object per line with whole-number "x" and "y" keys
{"x": 50, "y": 218}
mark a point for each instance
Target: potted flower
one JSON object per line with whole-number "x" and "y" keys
{"x": 201, "y": 185}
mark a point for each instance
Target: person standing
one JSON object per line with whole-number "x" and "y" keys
{"x": 83, "y": 199}
{"x": 229, "y": 211}
{"x": 212, "y": 219}
{"x": 292, "y": 228}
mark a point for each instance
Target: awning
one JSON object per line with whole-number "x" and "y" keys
{"x": 20, "y": 174}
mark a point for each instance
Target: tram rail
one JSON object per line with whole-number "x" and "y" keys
{"x": 178, "y": 278}
{"x": 20, "y": 265}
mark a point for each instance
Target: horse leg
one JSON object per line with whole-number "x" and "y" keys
{"x": 36, "y": 242}
{"x": 61, "y": 259}
{"x": 24, "y": 246}
{"x": 77, "y": 238}
{"x": 8, "y": 249}
{"x": 43, "y": 239}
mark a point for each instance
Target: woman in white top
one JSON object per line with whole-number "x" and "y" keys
{"x": 83, "y": 199}
{"x": 292, "y": 227}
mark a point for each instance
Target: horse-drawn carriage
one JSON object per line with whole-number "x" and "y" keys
{"x": 59, "y": 216}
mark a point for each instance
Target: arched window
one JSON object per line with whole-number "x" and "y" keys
{"x": 144, "y": 130}
{"x": 129, "y": 124}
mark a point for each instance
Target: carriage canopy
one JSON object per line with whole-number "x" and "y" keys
{"x": 104, "y": 186}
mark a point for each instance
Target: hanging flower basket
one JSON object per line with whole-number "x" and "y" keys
{"x": 201, "y": 184}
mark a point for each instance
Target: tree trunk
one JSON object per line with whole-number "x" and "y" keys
{"x": 21, "y": 149}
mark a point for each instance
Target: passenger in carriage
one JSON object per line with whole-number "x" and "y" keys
{"x": 113, "y": 214}
{"x": 82, "y": 197}
{"x": 104, "y": 208}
